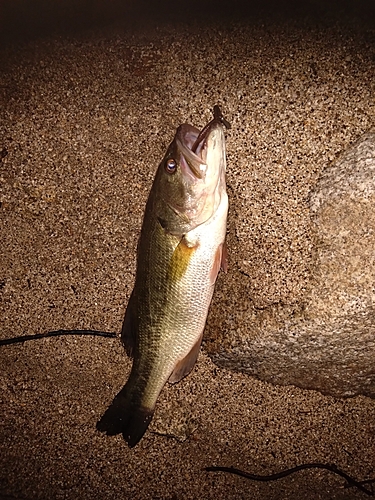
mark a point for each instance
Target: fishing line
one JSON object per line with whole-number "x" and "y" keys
{"x": 57, "y": 333}
{"x": 273, "y": 477}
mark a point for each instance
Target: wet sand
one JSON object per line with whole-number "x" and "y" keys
{"x": 85, "y": 119}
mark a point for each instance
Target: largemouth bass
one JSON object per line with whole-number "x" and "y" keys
{"x": 180, "y": 251}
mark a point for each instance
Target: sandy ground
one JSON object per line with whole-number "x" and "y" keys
{"x": 85, "y": 119}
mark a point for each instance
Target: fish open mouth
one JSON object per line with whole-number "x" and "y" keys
{"x": 217, "y": 120}
{"x": 192, "y": 144}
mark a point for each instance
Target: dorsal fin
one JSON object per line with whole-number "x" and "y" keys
{"x": 129, "y": 327}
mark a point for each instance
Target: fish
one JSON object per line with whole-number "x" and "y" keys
{"x": 180, "y": 251}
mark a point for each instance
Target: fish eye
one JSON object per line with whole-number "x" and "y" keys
{"x": 171, "y": 166}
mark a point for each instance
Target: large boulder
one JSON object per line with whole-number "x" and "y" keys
{"x": 325, "y": 341}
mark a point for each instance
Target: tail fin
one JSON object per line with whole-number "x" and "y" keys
{"x": 123, "y": 416}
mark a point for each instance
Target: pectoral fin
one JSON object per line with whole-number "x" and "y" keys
{"x": 184, "y": 366}
{"x": 180, "y": 259}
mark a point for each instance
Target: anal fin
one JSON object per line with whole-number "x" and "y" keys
{"x": 224, "y": 257}
{"x": 185, "y": 365}
{"x": 220, "y": 262}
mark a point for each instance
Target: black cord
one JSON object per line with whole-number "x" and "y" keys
{"x": 284, "y": 473}
{"x": 57, "y": 333}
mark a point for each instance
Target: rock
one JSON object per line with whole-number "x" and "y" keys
{"x": 326, "y": 341}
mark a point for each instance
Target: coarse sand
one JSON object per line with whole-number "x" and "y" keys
{"x": 86, "y": 116}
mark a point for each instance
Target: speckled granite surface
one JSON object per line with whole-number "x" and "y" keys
{"x": 326, "y": 339}
{"x": 85, "y": 118}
